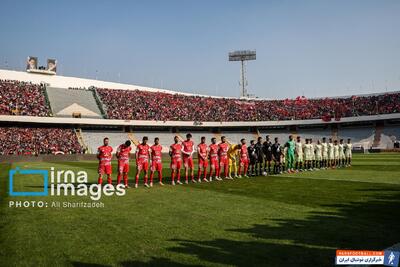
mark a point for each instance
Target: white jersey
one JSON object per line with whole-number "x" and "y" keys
{"x": 283, "y": 158}
{"x": 347, "y": 149}
{"x": 324, "y": 150}
{"x": 312, "y": 151}
{"x": 331, "y": 154}
{"x": 308, "y": 151}
{"x": 336, "y": 151}
{"x": 318, "y": 152}
{"x": 299, "y": 152}
{"x": 341, "y": 151}
{"x": 299, "y": 149}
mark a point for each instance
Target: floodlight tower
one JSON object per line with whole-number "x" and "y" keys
{"x": 243, "y": 56}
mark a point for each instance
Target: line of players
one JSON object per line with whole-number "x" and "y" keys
{"x": 257, "y": 159}
{"x": 273, "y": 158}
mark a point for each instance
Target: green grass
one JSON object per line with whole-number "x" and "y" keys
{"x": 286, "y": 220}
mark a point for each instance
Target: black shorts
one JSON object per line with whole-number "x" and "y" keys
{"x": 268, "y": 157}
{"x": 277, "y": 159}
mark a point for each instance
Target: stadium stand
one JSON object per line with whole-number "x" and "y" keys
{"x": 142, "y": 110}
{"x": 94, "y": 139}
{"x": 35, "y": 141}
{"x": 166, "y": 137}
{"x": 145, "y": 105}
{"x": 315, "y": 134}
{"x": 282, "y": 134}
{"x": 234, "y": 137}
{"x": 392, "y": 131}
{"x": 362, "y": 136}
{"x": 22, "y": 98}
{"x": 67, "y": 102}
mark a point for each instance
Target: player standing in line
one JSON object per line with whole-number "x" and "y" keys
{"x": 156, "y": 161}
{"x": 104, "y": 155}
{"x": 123, "y": 153}
{"x": 260, "y": 156}
{"x": 175, "y": 152}
{"x": 188, "y": 150}
{"x": 324, "y": 153}
{"x": 318, "y": 155}
{"x": 233, "y": 153}
{"x": 276, "y": 156}
{"x": 283, "y": 159}
{"x": 267, "y": 150}
{"x": 214, "y": 162}
{"x": 244, "y": 158}
{"x": 290, "y": 145}
{"x": 348, "y": 152}
{"x": 223, "y": 148}
{"x": 312, "y": 154}
{"x": 299, "y": 154}
{"x": 142, "y": 161}
{"x": 202, "y": 153}
{"x": 342, "y": 156}
{"x": 331, "y": 154}
{"x": 251, "y": 150}
{"x": 336, "y": 154}
{"x": 307, "y": 155}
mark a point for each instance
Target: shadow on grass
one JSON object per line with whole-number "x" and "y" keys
{"x": 371, "y": 224}
{"x": 152, "y": 262}
{"x": 84, "y": 264}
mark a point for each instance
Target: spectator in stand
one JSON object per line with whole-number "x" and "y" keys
{"x": 160, "y": 106}
{"x": 35, "y": 141}
{"x": 22, "y": 98}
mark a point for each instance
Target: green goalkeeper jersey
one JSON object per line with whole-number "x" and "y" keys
{"x": 291, "y": 146}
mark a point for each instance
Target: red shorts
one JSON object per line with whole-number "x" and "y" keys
{"x": 203, "y": 163}
{"x": 105, "y": 168}
{"x": 224, "y": 161}
{"x": 244, "y": 161}
{"x": 123, "y": 166}
{"x": 214, "y": 162}
{"x": 156, "y": 166}
{"x": 142, "y": 164}
{"x": 188, "y": 162}
{"x": 176, "y": 164}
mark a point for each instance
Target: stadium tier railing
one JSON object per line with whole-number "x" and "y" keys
{"x": 191, "y": 124}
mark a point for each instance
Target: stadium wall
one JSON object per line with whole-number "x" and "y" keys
{"x": 47, "y": 158}
{"x": 231, "y": 124}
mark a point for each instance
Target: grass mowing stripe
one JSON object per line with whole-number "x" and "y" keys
{"x": 337, "y": 179}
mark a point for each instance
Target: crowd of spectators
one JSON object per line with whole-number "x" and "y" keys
{"x": 159, "y": 106}
{"x": 35, "y": 141}
{"x": 22, "y": 98}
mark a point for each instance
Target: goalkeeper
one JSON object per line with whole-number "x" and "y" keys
{"x": 290, "y": 145}
{"x": 233, "y": 154}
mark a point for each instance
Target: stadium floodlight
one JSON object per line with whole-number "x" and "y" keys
{"x": 243, "y": 56}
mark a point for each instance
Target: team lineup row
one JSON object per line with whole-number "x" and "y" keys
{"x": 224, "y": 158}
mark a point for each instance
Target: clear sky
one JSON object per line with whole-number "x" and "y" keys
{"x": 311, "y": 48}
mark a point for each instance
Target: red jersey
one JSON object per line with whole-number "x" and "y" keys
{"x": 156, "y": 153}
{"x": 223, "y": 150}
{"x": 104, "y": 153}
{"x": 176, "y": 150}
{"x": 243, "y": 152}
{"x": 188, "y": 147}
{"x": 124, "y": 152}
{"x": 202, "y": 150}
{"x": 143, "y": 151}
{"x": 214, "y": 150}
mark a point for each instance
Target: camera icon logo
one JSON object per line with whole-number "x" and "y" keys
{"x": 17, "y": 170}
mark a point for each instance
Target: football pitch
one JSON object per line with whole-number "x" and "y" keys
{"x": 283, "y": 220}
